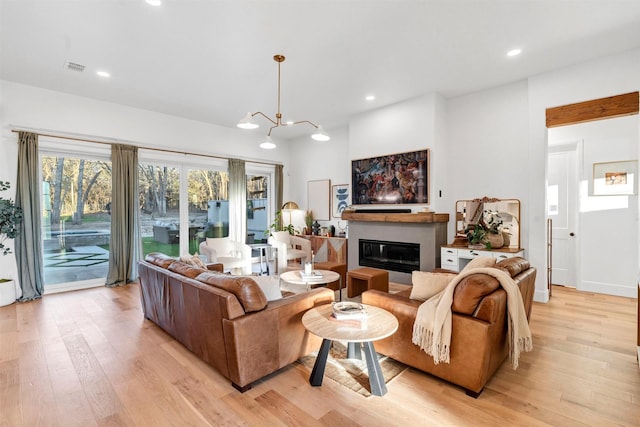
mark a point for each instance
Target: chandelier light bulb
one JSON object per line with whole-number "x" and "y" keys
{"x": 268, "y": 144}
{"x": 247, "y": 122}
{"x": 320, "y": 135}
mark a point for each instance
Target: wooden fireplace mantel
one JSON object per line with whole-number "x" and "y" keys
{"x": 417, "y": 217}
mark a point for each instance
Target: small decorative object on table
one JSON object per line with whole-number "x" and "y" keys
{"x": 350, "y": 313}
{"x": 311, "y": 275}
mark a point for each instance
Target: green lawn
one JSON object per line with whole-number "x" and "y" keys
{"x": 149, "y": 245}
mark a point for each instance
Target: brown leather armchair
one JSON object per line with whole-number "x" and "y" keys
{"x": 479, "y": 327}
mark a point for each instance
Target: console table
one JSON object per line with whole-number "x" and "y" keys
{"x": 333, "y": 249}
{"x": 457, "y": 257}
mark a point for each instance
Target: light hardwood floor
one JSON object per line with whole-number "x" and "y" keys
{"x": 89, "y": 358}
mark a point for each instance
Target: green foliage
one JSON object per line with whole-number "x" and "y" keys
{"x": 10, "y": 217}
{"x": 308, "y": 219}
{"x": 476, "y": 234}
{"x": 276, "y": 225}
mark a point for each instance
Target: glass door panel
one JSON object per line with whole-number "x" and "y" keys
{"x": 159, "y": 187}
{"x": 76, "y": 222}
{"x": 257, "y": 207}
{"x": 208, "y": 205}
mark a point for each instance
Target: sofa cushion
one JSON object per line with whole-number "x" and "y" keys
{"x": 481, "y": 261}
{"x": 270, "y": 285}
{"x": 426, "y": 284}
{"x": 159, "y": 259}
{"x": 187, "y": 270}
{"x": 470, "y": 291}
{"x": 514, "y": 266}
{"x": 245, "y": 289}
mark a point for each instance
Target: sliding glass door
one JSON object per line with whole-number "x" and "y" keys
{"x": 76, "y": 223}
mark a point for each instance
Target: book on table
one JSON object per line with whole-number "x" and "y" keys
{"x": 314, "y": 275}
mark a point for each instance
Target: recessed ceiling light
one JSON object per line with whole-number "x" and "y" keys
{"x": 103, "y": 74}
{"x": 370, "y": 97}
{"x": 154, "y": 2}
{"x": 514, "y": 52}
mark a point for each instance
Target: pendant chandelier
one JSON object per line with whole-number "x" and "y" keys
{"x": 247, "y": 122}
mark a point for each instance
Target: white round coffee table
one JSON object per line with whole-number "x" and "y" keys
{"x": 325, "y": 277}
{"x": 380, "y": 324}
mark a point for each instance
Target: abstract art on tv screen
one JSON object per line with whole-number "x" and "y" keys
{"x": 393, "y": 179}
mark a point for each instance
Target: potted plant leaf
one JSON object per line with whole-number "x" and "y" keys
{"x": 10, "y": 217}
{"x": 308, "y": 220}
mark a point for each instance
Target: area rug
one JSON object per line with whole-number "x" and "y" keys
{"x": 352, "y": 373}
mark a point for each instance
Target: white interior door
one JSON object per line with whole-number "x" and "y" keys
{"x": 562, "y": 209}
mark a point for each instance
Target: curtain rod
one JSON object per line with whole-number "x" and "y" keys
{"x": 82, "y": 138}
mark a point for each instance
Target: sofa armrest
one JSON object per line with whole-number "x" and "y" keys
{"x": 216, "y": 267}
{"x": 259, "y": 343}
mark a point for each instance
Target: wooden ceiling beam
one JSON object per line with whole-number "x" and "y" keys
{"x": 597, "y": 109}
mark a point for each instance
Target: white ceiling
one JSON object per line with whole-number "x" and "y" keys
{"x": 212, "y": 60}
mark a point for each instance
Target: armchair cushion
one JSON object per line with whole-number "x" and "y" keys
{"x": 426, "y": 285}
{"x": 282, "y": 236}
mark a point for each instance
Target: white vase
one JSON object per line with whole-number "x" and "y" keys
{"x": 7, "y": 292}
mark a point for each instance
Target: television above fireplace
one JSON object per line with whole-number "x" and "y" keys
{"x": 401, "y": 178}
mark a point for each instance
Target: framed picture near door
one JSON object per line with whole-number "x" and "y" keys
{"x": 615, "y": 178}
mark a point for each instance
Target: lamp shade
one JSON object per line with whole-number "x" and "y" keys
{"x": 268, "y": 144}
{"x": 247, "y": 122}
{"x": 290, "y": 205}
{"x": 320, "y": 135}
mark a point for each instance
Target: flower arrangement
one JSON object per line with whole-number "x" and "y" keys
{"x": 487, "y": 232}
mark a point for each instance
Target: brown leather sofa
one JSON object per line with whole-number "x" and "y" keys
{"x": 479, "y": 329}
{"x": 226, "y": 320}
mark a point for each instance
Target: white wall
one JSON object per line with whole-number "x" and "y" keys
{"x": 27, "y": 106}
{"x": 614, "y": 75}
{"x": 412, "y": 125}
{"x": 487, "y": 143}
{"x": 607, "y": 224}
{"x": 318, "y": 161}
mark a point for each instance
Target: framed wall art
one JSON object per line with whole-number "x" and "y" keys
{"x": 339, "y": 199}
{"x": 394, "y": 179}
{"x": 318, "y": 198}
{"x": 615, "y": 178}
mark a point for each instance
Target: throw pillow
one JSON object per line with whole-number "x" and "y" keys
{"x": 426, "y": 285}
{"x": 193, "y": 260}
{"x": 270, "y": 285}
{"x": 480, "y": 262}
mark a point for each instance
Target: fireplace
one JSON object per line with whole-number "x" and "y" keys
{"x": 393, "y": 256}
{"x": 427, "y": 237}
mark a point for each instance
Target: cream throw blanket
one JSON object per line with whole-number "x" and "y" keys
{"x": 432, "y": 327}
